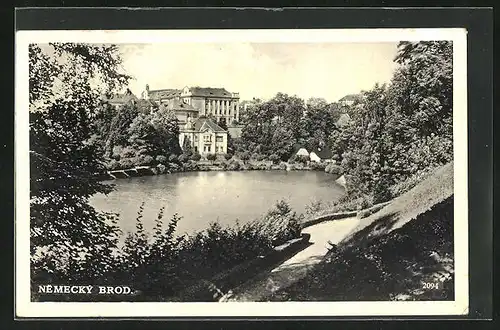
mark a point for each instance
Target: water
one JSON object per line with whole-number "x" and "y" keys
{"x": 204, "y": 197}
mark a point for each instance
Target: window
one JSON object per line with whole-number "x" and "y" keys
{"x": 196, "y": 138}
{"x": 195, "y": 148}
{"x": 204, "y": 148}
{"x": 207, "y": 138}
{"x": 209, "y": 148}
{"x": 219, "y": 139}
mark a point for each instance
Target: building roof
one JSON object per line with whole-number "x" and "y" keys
{"x": 178, "y": 105}
{"x": 323, "y": 153}
{"x": 145, "y": 106}
{"x": 164, "y": 93}
{"x": 203, "y": 123}
{"x": 121, "y": 98}
{"x": 210, "y": 92}
{"x": 297, "y": 146}
{"x": 351, "y": 97}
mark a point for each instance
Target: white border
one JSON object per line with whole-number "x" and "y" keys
{"x": 25, "y": 308}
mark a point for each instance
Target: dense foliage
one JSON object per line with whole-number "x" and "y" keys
{"x": 275, "y": 126}
{"x": 163, "y": 265}
{"x": 139, "y": 139}
{"x": 403, "y": 129}
{"x": 67, "y": 82}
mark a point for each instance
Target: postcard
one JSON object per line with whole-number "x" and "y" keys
{"x": 241, "y": 173}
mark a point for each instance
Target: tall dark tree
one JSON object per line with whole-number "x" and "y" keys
{"x": 67, "y": 82}
{"x": 367, "y": 147}
{"x": 272, "y": 121}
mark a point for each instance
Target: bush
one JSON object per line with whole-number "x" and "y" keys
{"x": 162, "y": 264}
{"x": 126, "y": 163}
{"x": 145, "y": 160}
{"x": 174, "y": 167}
{"x": 113, "y": 165}
{"x": 116, "y": 152}
{"x": 302, "y": 158}
{"x": 161, "y": 159}
{"x": 228, "y": 156}
{"x": 261, "y": 157}
{"x": 274, "y": 158}
{"x": 333, "y": 169}
{"x": 211, "y": 157}
{"x": 283, "y": 166}
{"x": 161, "y": 168}
{"x": 244, "y": 156}
{"x": 313, "y": 208}
{"x": 127, "y": 152}
{"x": 195, "y": 156}
{"x": 191, "y": 165}
{"x": 173, "y": 158}
{"x": 183, "y": 158}
{"x": 318, "y": 166}
{"x": 234, "y": 166}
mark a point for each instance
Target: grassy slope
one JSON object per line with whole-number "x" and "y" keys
{"x": 392, "y": 253}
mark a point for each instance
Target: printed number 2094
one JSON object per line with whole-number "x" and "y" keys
{"x": 431, "y": 285}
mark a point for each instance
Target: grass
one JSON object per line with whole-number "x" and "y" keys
{"x": 392, "y": 253}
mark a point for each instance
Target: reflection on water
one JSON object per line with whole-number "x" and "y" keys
{"x": 204, "y": 197}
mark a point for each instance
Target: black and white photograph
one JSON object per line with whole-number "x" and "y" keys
{"x": 312, "y": 171}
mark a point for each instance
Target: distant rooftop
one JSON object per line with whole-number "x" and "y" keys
{"x": 209, "y": 91}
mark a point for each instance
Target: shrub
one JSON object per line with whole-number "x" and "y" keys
{"x": 314, "y": 207}
{"x": 161, "y": 159}
{"x": 174, "y": 167}
{"x": 261, "y": 157}
{"x": 173, "y": 158}
{"x": 234, "y": 166}
{"x": 116, "y": 152}
{"x": 302, "y": 158}
{"x": 113, "y": 165}
{"x": 318, "y": 166}
{"x": 274, "y": 158}
{"x": 161, "y": 168}
{"x": 191, "y": 165}
{"x": 244, "y": 156}
{"x": 183, "y": 158}
{"x": 145, "y": 160}
{"x": 126, "y": 163}
{"x": 283, "y": 166}
{"x": 333, "y": 169}
{"x": 162, "y": 264}
{"x": 281, "y": 223}
{"x": 228, "y": 156}
{"x": 195, "y": 156}
{"x": 211, "y": 157}
{"x": 127, "y": 152}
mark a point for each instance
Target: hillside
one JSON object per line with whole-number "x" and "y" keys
{"x": 392, "y": 253}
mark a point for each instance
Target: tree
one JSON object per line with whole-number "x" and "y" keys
{"x": 64, "y": 160}
{"x": 187, "y": 148}
{"x": 222, "y": 123}
{"x": 419, "y": 125}
{"x": 118, "y": 133}
{"x": 267, "y": 122}
{"x": 367, "y": 147}
{"x": 154, "y": 134}
{"x": 319, "y": 122}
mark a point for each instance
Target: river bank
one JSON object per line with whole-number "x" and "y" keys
{"x": 232, "y": 165}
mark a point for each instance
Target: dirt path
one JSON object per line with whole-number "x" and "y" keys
{"x": 296, "y": 267}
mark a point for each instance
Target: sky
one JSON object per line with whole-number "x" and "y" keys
{"x": 327, "y": 70}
